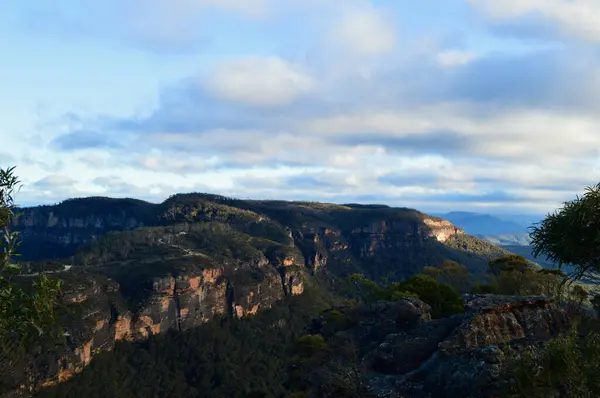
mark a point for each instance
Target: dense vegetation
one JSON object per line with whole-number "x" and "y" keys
{"x": 223, "y": 358}
{"x": 570, "y": 235}
{"x": 280, "y": 352}
{"x": 27, "y": 308}
{"x": 568, "y": 366}
{"x": 442, "y": 297}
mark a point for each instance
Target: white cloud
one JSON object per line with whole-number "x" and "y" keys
{"x": 363, "y": 30}
{"x": 454, "y": 58}
{"x": 262, "y": 82}
{"x": 54, "y": 181}
{"x": 578, "y": 18}
{"x": 257, "y": 126}
{"x": 539, "y": 134}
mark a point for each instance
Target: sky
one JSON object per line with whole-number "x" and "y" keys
{"x": 478, "y": 105}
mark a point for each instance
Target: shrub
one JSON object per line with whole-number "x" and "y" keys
{"x": 568, "y": 366}
{"x": 442, "y": 298}
{"x": 310, "y": 344}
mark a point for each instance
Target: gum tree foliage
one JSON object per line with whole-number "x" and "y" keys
{"x": 512, "y": 275}
{"x": 28, "y": 305}
{"x": 571, "y": 235}
{"x": 442, "y": 298}
{"x": 451, "y": 273}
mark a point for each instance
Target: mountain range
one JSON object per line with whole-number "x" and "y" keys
{"x": 134, "y": 269}
{"x": 501, "y": 230}
{"x": 210, "y": 294}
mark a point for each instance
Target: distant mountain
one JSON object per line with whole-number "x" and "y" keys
{"x": 526, "y": 220}
{"x": 526, "y": 251}
{"x": 498, "y": 229}
{"x": 483, "y": 224}
{"x": 520, "y": 239}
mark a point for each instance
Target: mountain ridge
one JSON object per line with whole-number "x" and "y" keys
{"x": 134, "y": 269}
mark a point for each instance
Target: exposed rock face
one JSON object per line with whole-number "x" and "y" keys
{"x": 342, "y": 239}
{"x": 59, "y": 230}
{"x": 178, "y": 303}
{"x": 442, "y": 230}
{"x": 390, "y": 247}
{"x": 471, "y": 359}
{"x": 406, "y": 352}
{"x": 425, "y": 228}
{"x": 200, "y": 256}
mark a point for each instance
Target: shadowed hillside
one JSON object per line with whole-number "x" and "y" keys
{"x": 134, "y": 269}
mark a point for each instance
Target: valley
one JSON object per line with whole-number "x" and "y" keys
{"x": 208, "y": 296}
{"x": 133, "y": 269}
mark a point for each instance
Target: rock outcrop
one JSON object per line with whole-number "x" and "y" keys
{"x": 408, "y": 354}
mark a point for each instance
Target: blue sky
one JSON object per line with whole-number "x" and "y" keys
{"x": 487, "y": 105}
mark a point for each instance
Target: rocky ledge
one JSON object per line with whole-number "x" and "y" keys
{"x": 404, "y": 352}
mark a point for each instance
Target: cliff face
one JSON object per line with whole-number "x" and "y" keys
{"x": 137, "y": 269}
{"x": 391, "y": 248}
{"x": 375, "y": 240}
{"x": 174, "y": 303}
{"x": 58, "y": 231}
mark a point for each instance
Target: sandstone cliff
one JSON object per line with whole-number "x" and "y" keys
{"x": 375, "y": 240}
{"x": 136, "y": 269}
{"x": 97, "y": 315}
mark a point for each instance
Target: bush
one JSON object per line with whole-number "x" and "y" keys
{"x": 451, "y": 273}
{"x": 568, "y": 366}
{"x": 485, "y": 288}
{"x": 442, "y": 298}
{"x": 310, "y": 344}
{"x": 512, "y": 275}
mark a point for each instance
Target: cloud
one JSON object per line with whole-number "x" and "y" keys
{"x": 466, "y": 134}
{"x": 341, "y": 101}
{"x": 453, "y": 58}
{"x": 156, "y": 25}
{"x": 111, "y": 185}
{"x": 363, "y": 31}
{"x": 175, "y": 27}
{"x": 54, "y": 181}
{"x": 75, "y": 140}
{"x": 577, "y": 18}
{"x": 6, "y": 160}
{"x": 50, "y": 189}
{"x": 255, "y": 81}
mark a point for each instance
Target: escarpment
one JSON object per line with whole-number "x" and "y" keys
{"x": 99, "y": 315}
{"x": 133, "y": 269}
{"x": 376, "y": 240}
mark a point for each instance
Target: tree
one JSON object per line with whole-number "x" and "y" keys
{"x": 512, "y": 275}
{"x": 27, "y": 306}
{"x": 509, "y": 263}
{"x": 571, "y": 235}
{"x": 451, "y": 273}
{"x": 442, "y": 298}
